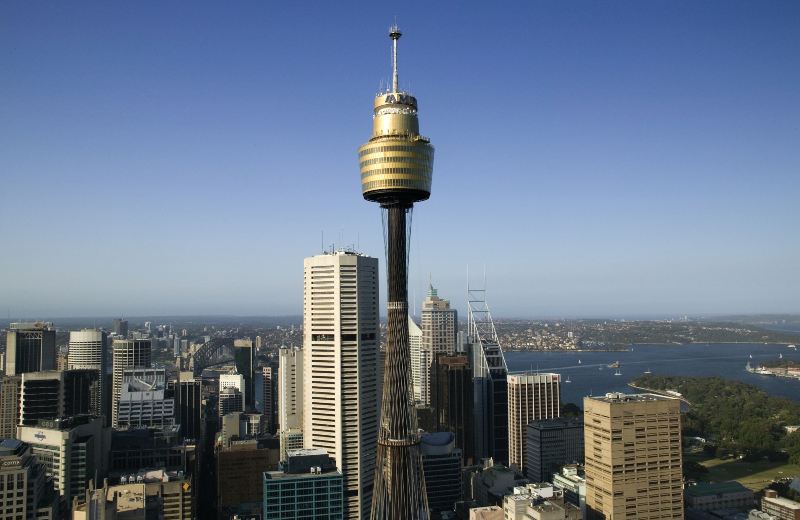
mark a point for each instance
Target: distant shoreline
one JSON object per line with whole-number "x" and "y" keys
{"x": 631, "y": 346}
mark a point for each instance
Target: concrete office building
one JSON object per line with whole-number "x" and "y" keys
{"x": 572, "y": 483}
{"x": 230, "y": 400}
{"x": 290, "y": 399}
{"x": 234, "y": 380}
{"x": 308, "y": 487}
{"x": 710, "y": 496}
{"x": 30, "y": 347}
{"x": 73, "y": 451}
{"x": 10, "y": 387}
{"x": 143, "y": 401}
{"x": 340, "y": 372}
{"x": 633, "y": 457}
{"x": 779, "y": 507}
{"x": 531, "y": 397}
{"x": 41, "y": 396}
{"x": 441, "y": 465}
{"x": 551, "y": 444}
{"x": 452, "y": 401}
{"x": 240, "y": 476}
{"x": 244, "y": 358}
{"x": 133, "y": 353}
{"x": 87, "y": 351}
{"x": 27, "y": 492}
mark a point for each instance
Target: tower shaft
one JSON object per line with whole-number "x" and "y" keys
{"x": 399, "y": 490}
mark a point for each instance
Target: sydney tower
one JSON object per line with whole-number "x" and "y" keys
{"x": 396, "y": 167}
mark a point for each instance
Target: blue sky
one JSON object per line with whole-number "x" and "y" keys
{"x": 596, "y": 158}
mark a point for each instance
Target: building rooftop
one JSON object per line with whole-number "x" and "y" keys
{"x": 619, "y": 397}
{"x": 703, "y": 489}
{"x": 783, "y": 502}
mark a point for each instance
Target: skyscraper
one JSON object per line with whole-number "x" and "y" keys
{"x": 87, "y": 350}
{"x": 143, "y": 401}
{"x": 231, "y": 400}
{"x": 126, "y": 353}
{"x": 28, "y": 491}
{"x": 9, "y": 406}
{"x": 290, "y": 398}
{"x": 439, "y": 334}
{"x": 30, "y": 347}
{"x": 309, "y": 486}
{"x": 244, "y": 357}
{"x": 396, "y": 170}
{"x": 442, "y": 466}
{"x": 531, "y": 397}
{"x": 452, "y": 401}
{"x": 552, "y": 443}
{"x": 419, "y": 359}
{"x": 121, "y": 328}
{"x": 633, "y": 457}
{"x": 340, "y": 384}
{"x": 268, "y": 397}
{"x": 490, "y": 385}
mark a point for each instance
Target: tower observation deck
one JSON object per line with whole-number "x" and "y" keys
{"x": 396, "y": 166}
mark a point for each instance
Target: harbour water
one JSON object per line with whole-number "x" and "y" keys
{"x": 593, "y": 377}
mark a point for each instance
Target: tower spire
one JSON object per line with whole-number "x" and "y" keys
{"x": 394, "y": 34}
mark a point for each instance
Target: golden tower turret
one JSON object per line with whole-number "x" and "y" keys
{"x": 397, "y": 162}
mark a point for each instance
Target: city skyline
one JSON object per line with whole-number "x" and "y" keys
{"x": 614, "y": 160}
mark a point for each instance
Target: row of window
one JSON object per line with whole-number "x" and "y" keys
{"x": 420, "y": 172}
{"x": 422, "y": 161}
{"x": 390, "y": 183}
{"x": 393, "y": 148}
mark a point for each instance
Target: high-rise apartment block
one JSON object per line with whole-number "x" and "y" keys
{"x": 290, "y": 399}
{"x": 30, "y": 347}
{"x": 439, "y": 324}
{"x": 126, "y": 353}
{"x": 633, "y": 457}
{"x": 309, "y": 486}
{"x": 552, "y": 443}
{"x": 87, "y": 351}
{"x": 531, "y": 397}
{"x": 340, "y": 371}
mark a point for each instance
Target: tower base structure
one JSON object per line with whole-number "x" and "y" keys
{"x": 399, "y": 490}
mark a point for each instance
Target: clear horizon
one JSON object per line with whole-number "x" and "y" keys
{"x": 610, "y": 160}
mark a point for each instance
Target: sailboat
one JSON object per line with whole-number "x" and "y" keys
{"x": 568, "y": 380}
{"x": 647, "y": 371}
{"x": 751, "y": 356}
{"x": 780, "y": 356}
{"x": 579, "y": 361}
{"x": 617, "y": 373}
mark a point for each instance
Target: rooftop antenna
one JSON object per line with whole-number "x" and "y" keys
{"x": 394, "y": 34}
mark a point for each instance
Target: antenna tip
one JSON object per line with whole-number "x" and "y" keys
{"x": 394, "y": 32}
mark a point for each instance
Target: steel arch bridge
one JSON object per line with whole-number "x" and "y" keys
{"x": 214, "y": 352}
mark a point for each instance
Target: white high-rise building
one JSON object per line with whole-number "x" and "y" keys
{"x": 87, "y": 350}
{"x": 231, "y": 381}
{"x": 290, "y": 398}
{"x": 438, "y": 335}
{"x": 418, "y": 377}
{"x": 340, "y": 368}
{"x": 127, "y": 353}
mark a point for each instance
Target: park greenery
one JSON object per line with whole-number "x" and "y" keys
{"x": 735, "y": 418}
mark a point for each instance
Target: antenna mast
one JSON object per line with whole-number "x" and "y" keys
{"x": 394, "y": 34}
